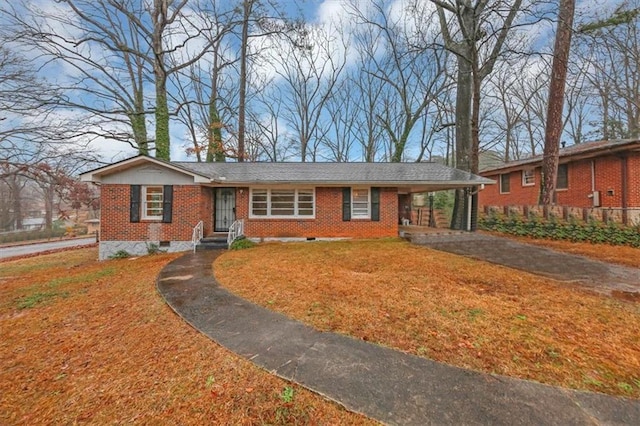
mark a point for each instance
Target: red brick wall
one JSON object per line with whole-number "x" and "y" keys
{"x": 608, "y": 176}
{"x": 633, "y": 180}
{"x": 328, "y": 221}
{"x": 114, "y": 216}
{"x": 192, "y": 203}
{"x": 206, "y": 209}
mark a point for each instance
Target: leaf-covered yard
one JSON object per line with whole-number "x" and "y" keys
{"x": 448, "y": 308}
{"x": 83, "y": 341}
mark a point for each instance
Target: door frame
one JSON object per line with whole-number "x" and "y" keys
{"x": 229, "y": 211}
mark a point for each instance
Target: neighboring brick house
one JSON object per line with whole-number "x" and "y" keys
{"x": 603, "y": 174}
{"x": 145, "y": 200}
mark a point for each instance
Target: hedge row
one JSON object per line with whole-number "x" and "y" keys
{"x": 593, "y": 232}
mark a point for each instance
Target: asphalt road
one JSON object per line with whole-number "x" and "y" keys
{"x": 12, "y": 251}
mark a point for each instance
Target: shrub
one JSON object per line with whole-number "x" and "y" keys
{"x": 11, "y": 237}
{"x": 571, "y": 230}
{"x": 153, "y": 248}
{"x": 241, "y": 243}
{"x": 120, "y": 254}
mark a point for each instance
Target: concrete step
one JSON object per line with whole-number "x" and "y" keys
{"x": 213, "y": 242}
{"x": 214, "y": 239}
{"x": 217, "y": 245}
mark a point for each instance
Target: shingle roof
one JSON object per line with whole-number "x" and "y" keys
{"x": 334, "y": 173}
{"x": 581, "y": 150}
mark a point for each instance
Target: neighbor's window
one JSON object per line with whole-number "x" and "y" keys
{"x": 528, "y": 177}
{"x": 504, "y": 184}
{"x": 360, "y": 203}
{"x": 282, "y": 202}
{"x": 152, "y": 198}
{"x": 563, "y": 177}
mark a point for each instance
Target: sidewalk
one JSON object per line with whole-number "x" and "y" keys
{"x": 390, "y": 386}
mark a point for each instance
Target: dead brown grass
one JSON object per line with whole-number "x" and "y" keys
{"x": 87, "y": 341}
{"x": 448, "y": 308}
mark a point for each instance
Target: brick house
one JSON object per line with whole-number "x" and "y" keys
{"x": 145, "y": 200}
{"x": 603, "y": 175}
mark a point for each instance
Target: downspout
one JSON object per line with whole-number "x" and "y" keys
{"x": 593, "y": 176}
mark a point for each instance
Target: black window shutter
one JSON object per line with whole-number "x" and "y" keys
{"x": 167, "y": 203}
{"x": 375, "y": 204}
{"x": 134, "y": 203}
{"x": 346, "y": 204}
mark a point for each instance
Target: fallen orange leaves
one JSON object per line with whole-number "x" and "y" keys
{"x": 95, "y": 343}
{"x": 448, "y": 308}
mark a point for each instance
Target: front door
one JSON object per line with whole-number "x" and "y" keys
{"x": 225, "y": 208}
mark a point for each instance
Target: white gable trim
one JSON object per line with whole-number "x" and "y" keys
{"x": 96, "y": 175}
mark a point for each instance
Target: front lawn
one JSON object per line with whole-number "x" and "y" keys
{"x": 447, "y": 308}
{"x": 83, "y": 341}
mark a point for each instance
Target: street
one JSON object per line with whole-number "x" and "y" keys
{"x": 12, "y": 251}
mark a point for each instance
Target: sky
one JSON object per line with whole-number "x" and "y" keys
{"x": 329, "y": 15}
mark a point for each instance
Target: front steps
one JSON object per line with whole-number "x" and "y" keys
{"x": 213, "y": 242}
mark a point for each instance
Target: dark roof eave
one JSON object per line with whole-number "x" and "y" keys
{"x": 453, "y": 184}
{"x": 631, "y": 146}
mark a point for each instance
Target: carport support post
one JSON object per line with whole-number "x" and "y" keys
{"x": 469, "y": 198}
{"x": 471, "y": 208}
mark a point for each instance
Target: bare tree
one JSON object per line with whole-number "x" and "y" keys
{"x": 611, "y": 48}
{"x": 309, "y": 64}
{"x": 400, "y": 48}
{"x": 475, "y": 31}
{"x": 204, "y": 92}
{"x": 106, "y": 73}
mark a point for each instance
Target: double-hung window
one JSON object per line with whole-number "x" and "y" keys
{"x": 282, "y": 203}
{"x": 528, "y": 177}
{"x": 563, "y": 177}
{"x": 360, "y": 203}
{"x": 152, "y": 200}
{"x": 505, "y": 186}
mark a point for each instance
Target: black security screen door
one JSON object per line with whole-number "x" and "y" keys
{"x": 225, "y": 211}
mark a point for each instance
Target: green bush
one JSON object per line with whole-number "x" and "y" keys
{"x": 241, "y": 243}
{"x": 120, "y": 254}
{"x": 153, "y": 248}
{"x": 571, "y": 230}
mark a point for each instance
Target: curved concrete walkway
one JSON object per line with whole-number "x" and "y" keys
{"x": 390, "y": 386}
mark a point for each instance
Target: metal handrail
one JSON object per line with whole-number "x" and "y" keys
{"x": 197, "y": 234}
{"x": 235, "y": 230}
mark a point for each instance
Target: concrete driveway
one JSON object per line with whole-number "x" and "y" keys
{"x": 601, "y": 277}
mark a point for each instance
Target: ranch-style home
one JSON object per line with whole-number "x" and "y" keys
{"x": 172, "y": 204}
{"x": 600, "y": 177}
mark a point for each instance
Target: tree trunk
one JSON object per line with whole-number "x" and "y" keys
{"x": 463, "y": 136}
{"x": 163, "y": 151}
{"x": 16, "y": 200}
{"x": 555, "y": 105}
{"x": 215, "y": 150}
{"x": 138, "y": 121}
{"x": 247, "y": 7}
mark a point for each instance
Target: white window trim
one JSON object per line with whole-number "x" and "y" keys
{"x": 143, "y": 202}
{"x": 500, "y": 183}
{"x": 368, "y": 216}
{"x": 524, "y": 181}
{"x": 296, "y": 206}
